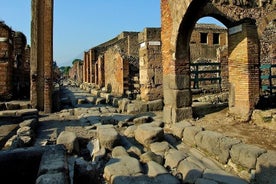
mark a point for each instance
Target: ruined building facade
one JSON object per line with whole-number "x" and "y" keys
{"x": 75, "y": 71}
{"x": 249, "y": 24}
{"x": 14, "y": 64}
{"x": 113, "y": 64}
{"x": 209, "y": 44}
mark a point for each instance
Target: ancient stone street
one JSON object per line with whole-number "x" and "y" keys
{"x": 105, "y": 143}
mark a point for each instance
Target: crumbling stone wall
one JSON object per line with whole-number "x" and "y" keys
{"x": 14, "y": 64}
{"x": 75, "y": 71}
{"x": 21, "y": 84}
{"x": 116, "y": 68}
{"x": 150, "y": 65}
{"x": 247, "y": 18}
{"x": 6, "y": 61}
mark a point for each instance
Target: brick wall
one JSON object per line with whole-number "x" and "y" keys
{"x": 178, "y": 20}
{"x": 6, "y": 60}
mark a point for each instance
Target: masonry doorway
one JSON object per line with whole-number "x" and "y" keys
{"x": 243, "y": 60}
{"x": 209, "y": 67}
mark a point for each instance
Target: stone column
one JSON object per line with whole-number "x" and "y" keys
{"x": 42, "y": 54}
{"x": 150, "y": 64}
{"x": 243, "y": 70}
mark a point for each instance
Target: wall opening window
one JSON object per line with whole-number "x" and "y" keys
{"x": 215, "y": 38}
{"x": 203, "y": 37}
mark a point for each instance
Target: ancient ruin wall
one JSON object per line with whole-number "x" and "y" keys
{"x": 6, "y": 51}
{"x": 178, "y": 19}
{"x": 150, "y": 64}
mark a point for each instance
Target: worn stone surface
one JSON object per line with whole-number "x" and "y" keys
{"x": 147, "y": 134}
{"x": 151, "y": 156}
{"x": 246, "y": 155}
{"x": 189, "y": 134}
{"x": 123, "y": 166}
{"x": 69, "y": 140}
{"x": 266, "y": 168}
{"x": 155, "y": 169}
{"x": 178, "y": 128}
{"x": 174, "y": 157}
{"x": 108, "y": 136}
{"x": 159, "y": 148}
{"x": 190, "y": 171}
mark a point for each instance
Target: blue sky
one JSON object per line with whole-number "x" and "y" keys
{"x": 83, "y": 24}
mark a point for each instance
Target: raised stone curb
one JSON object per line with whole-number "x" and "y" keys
{"x": 246, "y": 155}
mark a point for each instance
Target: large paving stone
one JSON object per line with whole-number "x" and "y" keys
{"x": 69, "y": 140}
{"x": 155, "y": 169}
{"x": 178, "y": 128}
{"x": 53, "y": 160}
{"x": 123, "y": 166}
{"x": 189, "y": 134}
{"x": 108, "y": 136}
{"x": 150, "y": 156}
{"x": 174, "y": 157}
{"x": 190, "y": 171}
{"x": 147, "y": 134}
{"x": 160, "y": 148}
{"x": 266, "y": 168}
{"x": 246, "y": 155}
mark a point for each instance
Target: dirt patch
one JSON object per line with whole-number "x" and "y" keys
{"x": 215, "y": 118}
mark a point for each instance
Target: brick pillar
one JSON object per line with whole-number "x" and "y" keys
{"x": 91, "y": 66}
{"x": 42, "y": 54}
{"x": 83, "y": 69}
{"x": 243, "y": 70}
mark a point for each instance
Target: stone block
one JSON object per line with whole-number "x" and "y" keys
{"x": 179, "y": 81}
{"x": 108, "y": 137}
{"x": 189, "y": 134}
{"x": 123, "y": 166}
{"x": 69, "y": 140}
{"x": 155, "y": 169}
{"x": 142, "y": 120}
{"x": 216, "y": 144}
{"x": 118, "y": 152}
{"x": 266, "y": 168}
{"x": 155, "y": 105}
{"x": 160, "y": 148}
{"x": 151, "y": 156}
{"x": 174, "y": 157}
{"x": 246, "y": 155}
{"x": 178, "y": 128}
{"x": 178, "y": 98}
{"x": 53, "y": 160}
{"x": 167, "y": 114}
{"x": 190, "y": 171}
{"x": 147, "y": 134}
{"x": 179, "y": 114}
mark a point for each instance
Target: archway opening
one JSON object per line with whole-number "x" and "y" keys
{"x": 243, "y": 61}
{"x": 209, "y": 66}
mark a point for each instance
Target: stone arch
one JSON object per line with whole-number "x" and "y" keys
{"x": 244, "y": 54}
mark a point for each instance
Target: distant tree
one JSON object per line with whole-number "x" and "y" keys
{"x": 64, "y": 70}
{"x": 76, "y": 60}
